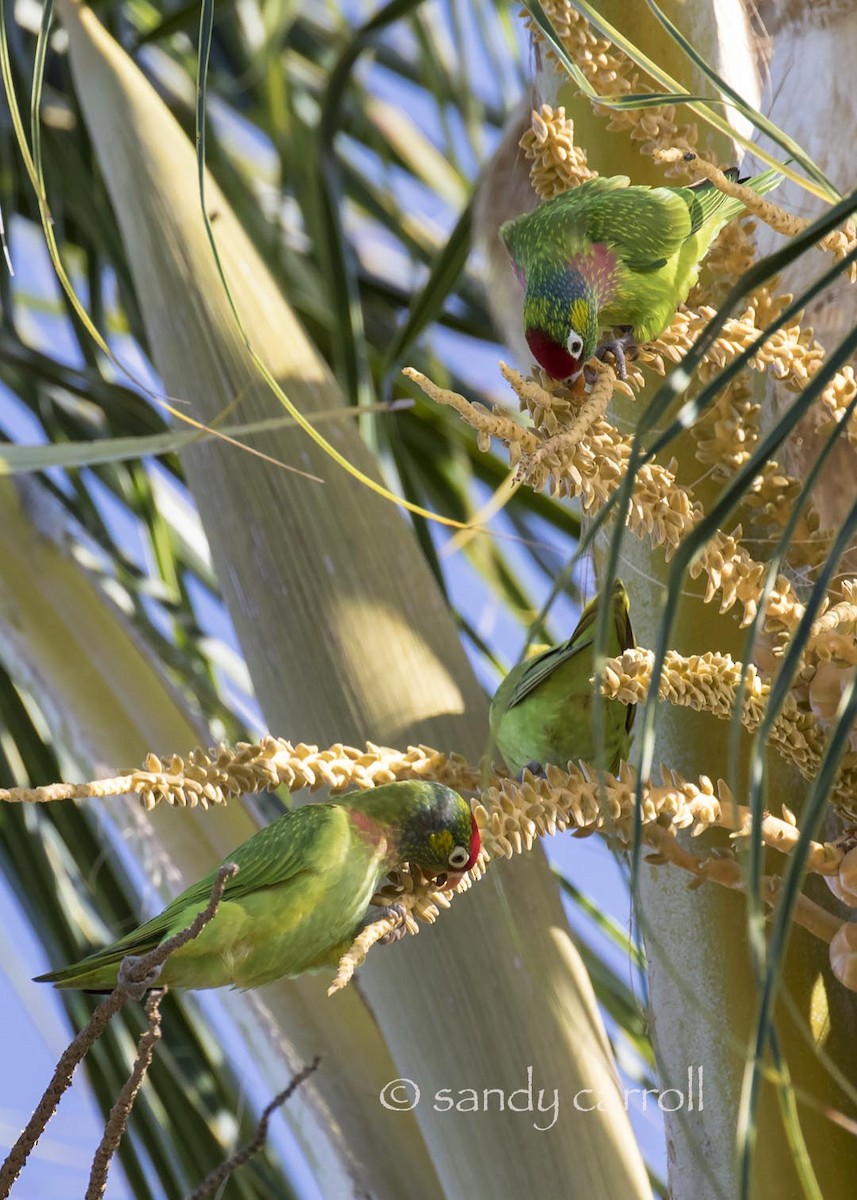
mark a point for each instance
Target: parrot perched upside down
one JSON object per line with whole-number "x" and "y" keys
{"x": 303, "y": 887}
{"x": 607, "y": 254}
{"x": 542, "y": 711}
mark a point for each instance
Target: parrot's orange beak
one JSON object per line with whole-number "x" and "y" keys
{"x": 451, "y": 880}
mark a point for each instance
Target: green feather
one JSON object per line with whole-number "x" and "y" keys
{"x": 303, "y": 887}
{"x": 542, "y": 711}
{"x": 623, "y": 254}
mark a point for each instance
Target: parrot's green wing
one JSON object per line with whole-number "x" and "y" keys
{"x": 646, "y": 226}
{"x": 539, "y": 669}
{"x": 583, "y": 637}
{"x": 551, "y": 224}
{"x": 542, "y": 712}
{"x": 273, "y": 854}
{"x": 300, "y": 840}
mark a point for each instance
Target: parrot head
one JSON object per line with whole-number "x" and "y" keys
{"x": 440, "y": 835}
{"x": 560, "y": 321}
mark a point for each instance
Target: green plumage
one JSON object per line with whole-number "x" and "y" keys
{"x": 303, "y": 887}
{"x": 542, "y": 711}
{"x": 609, "y": 253}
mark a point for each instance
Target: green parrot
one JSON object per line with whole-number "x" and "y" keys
{"x": 607, "y": 254}
{"x": 542, "y": 711}
{"x": 302, "y": 890}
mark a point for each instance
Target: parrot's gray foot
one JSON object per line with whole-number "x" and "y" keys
{"x": 127, "y": 977}
{"x": 382, "y": 914}
{"x": 534, "y": 768}
{"x": 620, "y": 347}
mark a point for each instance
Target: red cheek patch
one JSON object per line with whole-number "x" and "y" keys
{"x": 555, "y": 359}
{"x": 475, "y": 843}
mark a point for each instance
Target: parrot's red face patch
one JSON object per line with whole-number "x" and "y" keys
{"x": 475, "y": 843}
{"x": 551, "y": 355}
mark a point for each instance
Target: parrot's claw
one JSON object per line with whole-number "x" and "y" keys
{"x": 617, "y": 346}
{"x": 137, "y": 987}
{"x": 398, "y": 931}
{"x": 535, "y": 769}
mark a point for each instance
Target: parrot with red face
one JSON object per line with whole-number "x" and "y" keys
{"x": 302, "y": 890}
{"x": 608, "y": 254}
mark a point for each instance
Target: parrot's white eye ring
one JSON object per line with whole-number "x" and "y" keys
{"x": 575, "y": 344}
{"x": 459, "y": 858}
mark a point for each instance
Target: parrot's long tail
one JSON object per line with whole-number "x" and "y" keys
{"x": 86, "y": 977}
{"x": 764, "y": 182}
{"x": 95, "y": 973}
{"x": 712, "y": 209}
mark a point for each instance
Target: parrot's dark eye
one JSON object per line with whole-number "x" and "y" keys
{"x": 459, "y": 858}
{"x": 575, "y": 344}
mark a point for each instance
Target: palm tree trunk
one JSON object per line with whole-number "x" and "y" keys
{"x": 810, "y": 48}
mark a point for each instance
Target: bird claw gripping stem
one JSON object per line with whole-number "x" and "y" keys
{"x": 128, "y": 976}
{"x": 390, "y": 912}
{"x": 534, "y": 768}
{"x": 620, "y": 347}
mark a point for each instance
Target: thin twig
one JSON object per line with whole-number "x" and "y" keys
{"x": 240, "y": 1157}
{"x": 136, "y": 976}
{"x": 60, "y": 1082}
{"x": 121, "y": 1110}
